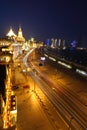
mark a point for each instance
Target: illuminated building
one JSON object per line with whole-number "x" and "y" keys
{"x": 47, "y": 42}
{"x": 55, "y": 43}
{"x": 20, "y": 37}
{"x": 18, "y": 41}
{"x": 59, "y": 43}
{"x": 11, "y": 34}
{"x": 1, "y": 110}
{"x": 52, "y": 42}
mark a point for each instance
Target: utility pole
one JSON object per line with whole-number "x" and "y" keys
{"x": 34, "y": 80}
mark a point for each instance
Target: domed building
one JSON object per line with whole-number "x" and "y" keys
{"x": 11, "y": 34}
{"x": 18, "y": 41}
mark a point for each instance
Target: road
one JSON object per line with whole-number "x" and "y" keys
{"x": 34, "y": 109}
{"x": 34, "y": 112}
{"x": 67, "y": 95}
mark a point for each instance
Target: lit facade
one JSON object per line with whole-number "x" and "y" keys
{"x": 20, "y": 37}
{"x": 11, "y": 34}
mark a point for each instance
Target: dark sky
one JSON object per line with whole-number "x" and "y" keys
{"x": 44, "y": 19}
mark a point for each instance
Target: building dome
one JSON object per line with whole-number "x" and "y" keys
{"x": 11, "y": 34}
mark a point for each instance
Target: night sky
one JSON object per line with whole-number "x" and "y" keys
{"x": 43, "y": 19}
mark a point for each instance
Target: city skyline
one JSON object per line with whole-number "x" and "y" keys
{"x": 45, "y": 19}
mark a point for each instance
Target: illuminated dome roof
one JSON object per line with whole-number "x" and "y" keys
{"x": 11, "y": 33}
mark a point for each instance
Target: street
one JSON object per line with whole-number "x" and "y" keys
{"x": 34, "y": 112}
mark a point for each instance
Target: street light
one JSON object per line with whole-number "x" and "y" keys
{"x": 34, "y": 81}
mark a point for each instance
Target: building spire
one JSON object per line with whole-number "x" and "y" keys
{"x": 20, "y": 37}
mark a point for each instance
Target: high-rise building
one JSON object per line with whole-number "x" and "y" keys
{"x": 52, "y": 42}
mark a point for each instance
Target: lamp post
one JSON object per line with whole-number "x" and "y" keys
{"x": 34, "y": 85}
{"x": 34, "y": 81}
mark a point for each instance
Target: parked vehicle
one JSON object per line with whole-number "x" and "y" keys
{"x": 26, "y": 86}
{"x": 15, "y": 87}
